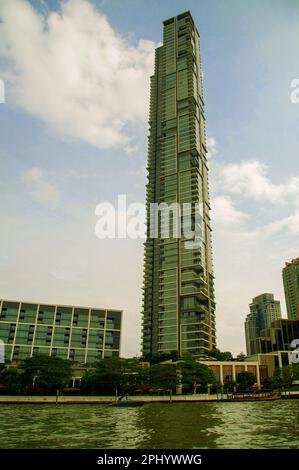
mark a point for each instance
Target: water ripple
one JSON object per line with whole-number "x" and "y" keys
{"x": 153, "y": 426}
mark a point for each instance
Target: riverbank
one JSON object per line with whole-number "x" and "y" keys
{"x": 105, "y": 400}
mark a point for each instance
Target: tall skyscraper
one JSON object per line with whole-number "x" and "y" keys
{"x": 178, "y": 308}
{"x": 290, "y": 275}
{"x": 263, "y": 311}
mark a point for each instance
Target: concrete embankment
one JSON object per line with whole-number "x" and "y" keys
{"x": 104, "y": 400}
{"x": 81, "y": 400}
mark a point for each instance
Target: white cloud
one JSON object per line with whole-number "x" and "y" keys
{"x": 224, "y": 213}
{"x": 32, "y": 175}
{"x": 212, "y": 147}
{"x": 250, "y": 179}
{"x": 131, "y": 149}
{"x": 255, "y": 230}
{"x": 75, "y": 72}
{"x": 41, "y": 190}
{"x": 238, "y": 183}
{"x": 289, "y": 223}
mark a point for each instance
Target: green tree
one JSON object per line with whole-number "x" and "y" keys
{"x": 113, "y": 375}
{"x": 133, "y": 375}
{"x": 193, "y": 373}
{"x": 163, "y": 376}
{"x": 108, "y": 376}
{"x": 161, "y": 357}
{"x": 287, "y": 375}
{"x": 88, "y": 382}
{"x": 241, "y": 357}
{"x": 216, "y": 386}
{"x": 295, "y": 371}
{"x": 229, "y": 385}
{"x": 277, "y": 378}
{"x": 46, "y": 373}
{"x": 13, "y": 380}
{"x": 215, "y": 353}
{"x": 284, "y": 376}
{"x": 221, "y": 356}
{"x": 245, "y": 380}
{"x": 269, "y": 383}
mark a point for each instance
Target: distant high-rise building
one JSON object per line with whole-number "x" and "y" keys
{"x": 81, "y": 334}
{"x": 278, "y": 336}
{"x": 290, "y": 275}
{"x": 178, "y": 310}
{"x": 263, "y": 311}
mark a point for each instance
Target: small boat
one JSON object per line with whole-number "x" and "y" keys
{"x": 256, "y": 396}
{"x": 126, "y": 403}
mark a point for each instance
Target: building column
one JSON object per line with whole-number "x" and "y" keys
{"x": 234, "y": 372}
{"x": 258, "y": 377}
{"x": 221, "y": 373}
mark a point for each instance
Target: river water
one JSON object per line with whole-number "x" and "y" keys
{"x": 171, "y": 426}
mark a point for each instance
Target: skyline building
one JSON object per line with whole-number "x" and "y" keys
{"x": 81, "y": 334}
{"x": 263, "y": 311}
{"x": 278, "y": 337}
{"x": 290, "y": 275}
{"x": 178, "y": 298}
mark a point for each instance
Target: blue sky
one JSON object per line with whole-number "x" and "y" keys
{"x": 74, "y": 134}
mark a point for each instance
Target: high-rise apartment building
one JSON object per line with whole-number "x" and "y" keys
{"x": 80, "y": 334}
{"x": 278, "y": 336}
{"x": 290, "y": 275}
{"x": 178, "y": 308}
{"x": 263, "y": 311}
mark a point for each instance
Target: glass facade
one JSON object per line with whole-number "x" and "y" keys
{"x": 291, "y": 288}
{"x": 178, "y": 281}
{"x": 263, "y": 311}
{"x": 82, "y": 335}
{"x": 277, "y": 337}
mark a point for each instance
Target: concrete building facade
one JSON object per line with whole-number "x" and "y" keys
{"x": 272, "y": 360}
{"x": 226, "y": 371}
{"x": 80, "y": 334}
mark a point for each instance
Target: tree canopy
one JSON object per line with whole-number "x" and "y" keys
{"x": 163, "y": 376}
{"x": 161, "y": 357}
{"x": 245, "y": 380}
{"x": 221, "y": 356}
{"x": 46, "y": 372}
{"x": 13, "y": 380}
{"x": 241, "y": 357}
{"x": 113, "y": 375}
{"x": 40, "y": 373}
{"x": 128, "y": 375}
{"x": 194, "y": 373}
